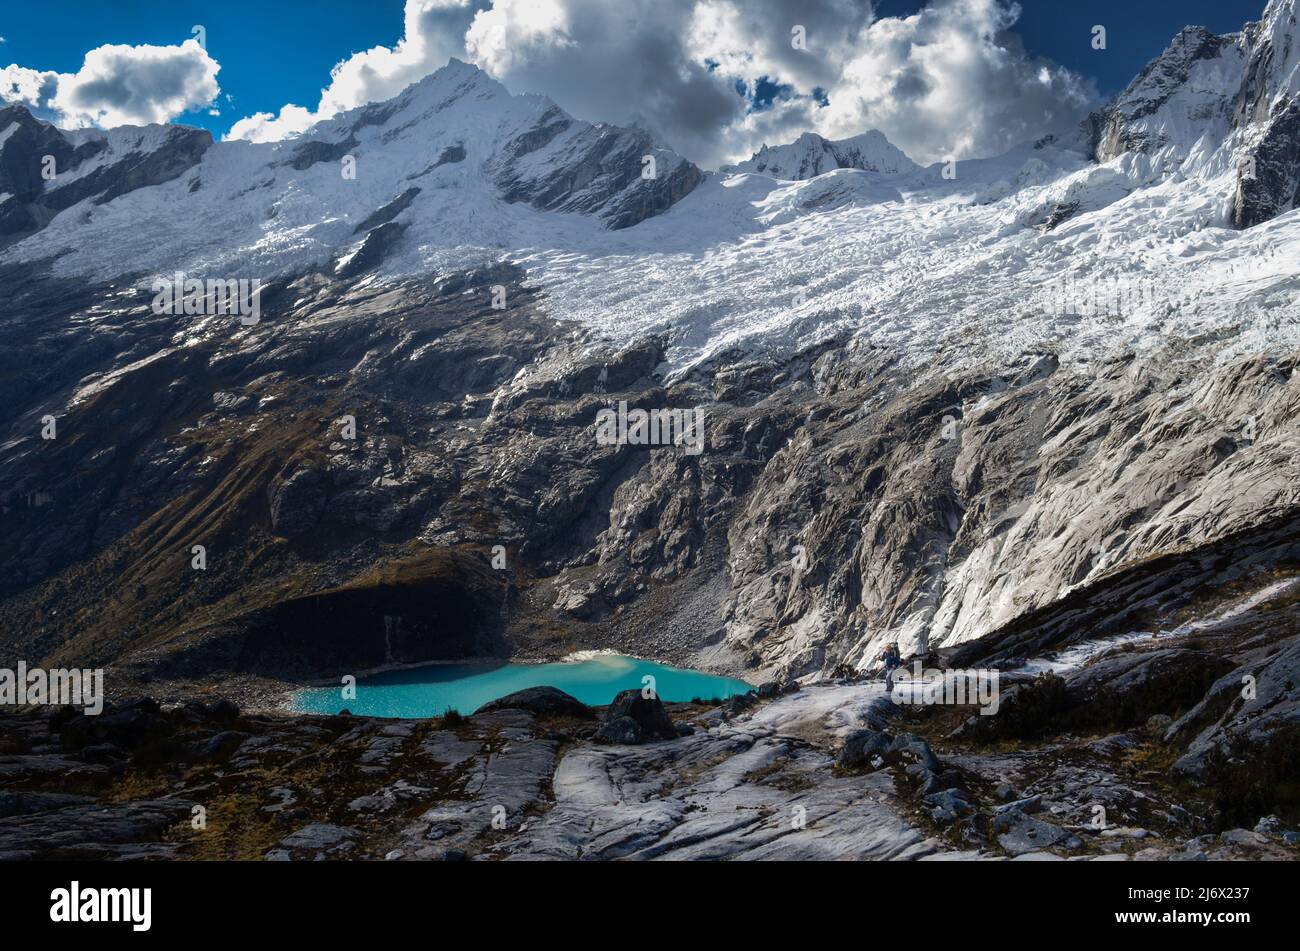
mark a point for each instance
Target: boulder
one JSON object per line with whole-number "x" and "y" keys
{"x": 910, "y": 748}
{"x": 862, "y": 748}
{"x": 543, "y": 701}
{"x": 102, "y": 753}
{"x": 648, "y": 714}
{"x": 219, "y": 746}
{"x": 127, "y": 726}
{"x": 1026, "y": 805}
{"x": 927, "y": 780}
{"x": 223, "y": 709}
{"x": 1019, "y": 833}
{"x": 740, "y": 702}
{"x": 621, "y": 731}
{"x": 948, "y": 805}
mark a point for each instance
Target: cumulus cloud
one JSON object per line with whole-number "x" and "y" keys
{"x": 952, "y": 81}
{"x": 118, "y": 85}
{"x": 718, "y": 78}
{"x": 434, "y": 32}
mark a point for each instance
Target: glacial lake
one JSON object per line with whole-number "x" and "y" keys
{"x": 431, "y": 691}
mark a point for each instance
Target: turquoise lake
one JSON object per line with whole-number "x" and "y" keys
{"x": 431, "y": 691}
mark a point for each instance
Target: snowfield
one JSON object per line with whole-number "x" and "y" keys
{"x": 1040, "y": 248}
{"x": 934, "y": 268}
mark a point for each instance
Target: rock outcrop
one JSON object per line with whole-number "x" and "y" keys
{"x": 633, "y": 718}
{"x": 44, "y": 171}
{"x": 1236, "y": 93}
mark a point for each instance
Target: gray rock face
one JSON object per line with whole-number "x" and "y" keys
{"x": 389, "y": 211}
{"x": 1119, "y": 128}
{"x": 1268, "y": 181}
{"x": 316, "y": 151}
{"x": 1252, "y": 712}
{"x": 596, "y": 170}
{"x": 372, "y": 250}
{"x": 118, "y": 163}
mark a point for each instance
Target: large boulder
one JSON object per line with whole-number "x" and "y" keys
{"x": 648, "y": 714}
{"x": 863, "y": 747}
{"x": 218, "y": 747}
{"x": 543, "y": 701}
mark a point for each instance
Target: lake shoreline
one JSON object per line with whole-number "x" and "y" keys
{"x": 594, "y": 678}
{"x": 265, "y": 694}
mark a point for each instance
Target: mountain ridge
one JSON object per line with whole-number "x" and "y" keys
{"x": 811, "y": 155}
{"x": 1079, "y": 330}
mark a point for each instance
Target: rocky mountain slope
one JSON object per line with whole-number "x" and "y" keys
{"x": 938, "y": 408}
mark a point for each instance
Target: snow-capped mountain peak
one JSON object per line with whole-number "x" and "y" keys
{"x": 455, "y": 146}
{"x": 815, "y": 237}
{"x": 1210, "y": 105}
{"x": 44, "y": 170}
{"x": 811, "y": 155}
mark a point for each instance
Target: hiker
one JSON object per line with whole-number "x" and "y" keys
{"x": 893, "y": 660}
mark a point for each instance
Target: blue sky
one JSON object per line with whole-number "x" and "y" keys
{"x": 274, "y": 53}
{"x": 1137, "y": 30}
{"x": 270, "y": 52}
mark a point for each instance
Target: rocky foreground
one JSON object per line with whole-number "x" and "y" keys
{"x": 1067, "y": 769}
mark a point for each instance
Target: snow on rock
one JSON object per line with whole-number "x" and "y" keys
{"x": 1133, "y": 246}
{"x": 811, "y": 155}
{"x": 488, "y": 164}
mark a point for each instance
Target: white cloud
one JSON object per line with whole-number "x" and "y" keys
{"x": 267, "y": 127}
{"x": 949, "y": 81}
{"x": 434, "y": 32}
{"x": 118, "y": 85}
{"x": 31, "y": 87}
